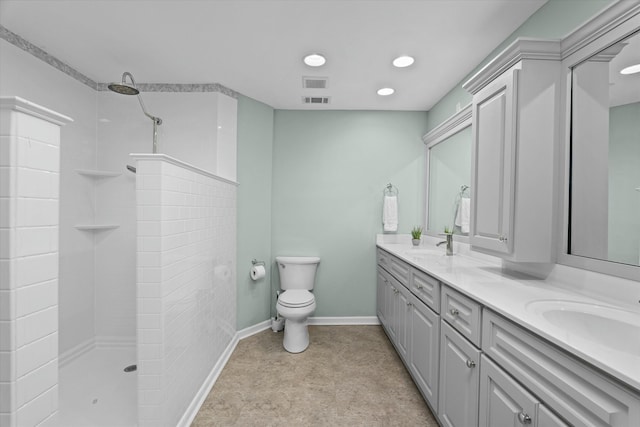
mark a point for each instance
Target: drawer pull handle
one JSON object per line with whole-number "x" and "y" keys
{"x": 454, "y": 312}
{"x": 409, "y": 304}
{"x": 471, "y": 364}
{"x": 419, "y": 287}
{"x": 524, "y": 418}
{"x": 503, "y": 239}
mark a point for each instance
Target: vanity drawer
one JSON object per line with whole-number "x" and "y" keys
{"x": 462, "y": 313}
{"x": 383, "y": 259}
{"x": 567, "y": 386}
{"x": 400, "y": 270}
{"x": 426, "y": 288}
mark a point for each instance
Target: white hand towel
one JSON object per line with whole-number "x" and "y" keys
{"x": 463, "y": 215}
{"x": 390, "y": 213}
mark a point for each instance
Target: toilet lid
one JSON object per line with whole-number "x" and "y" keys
{"x": 296, "y": 298}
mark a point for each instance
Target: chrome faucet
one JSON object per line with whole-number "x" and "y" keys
{"x": 449, "y": 243}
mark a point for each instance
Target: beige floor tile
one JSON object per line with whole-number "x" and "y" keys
{"x": 349, "y": 376}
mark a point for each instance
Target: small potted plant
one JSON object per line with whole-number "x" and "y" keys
{"x": 416, "y": 234}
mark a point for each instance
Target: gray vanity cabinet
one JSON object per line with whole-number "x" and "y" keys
{"x": 459, "y": 379}
{"x": 567, "y": 386}
{"x": 504, "y": 402}
{"x": 412, "y": 326}
{"x": 424, "y": 344}
{"x": 459, "y": 359}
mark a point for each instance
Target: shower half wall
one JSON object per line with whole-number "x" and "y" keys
{"x": 186, "y": 283}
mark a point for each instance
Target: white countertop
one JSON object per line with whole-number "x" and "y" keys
{"x": 516, "y": 297}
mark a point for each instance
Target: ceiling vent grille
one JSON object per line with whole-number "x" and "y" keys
{"x": 315, "y": 99}
{"x": 315, "y": 82}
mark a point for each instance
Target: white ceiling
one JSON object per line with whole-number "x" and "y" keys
{"x": 256, "y": 47}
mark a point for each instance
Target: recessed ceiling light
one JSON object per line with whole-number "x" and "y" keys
{"x": 631, "y": 69}
{"x": 403, "y": 61}
{"x": 385, "y": 91}
{"x": 315, "y": 60}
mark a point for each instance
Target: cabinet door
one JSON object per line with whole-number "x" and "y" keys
{"x": 459, "y": 379}
{"x": 380, "y": 296}
{"x": 404, "y": 309}
{"x": 424, "y": 348}
{"x": 391, "y": 310}
{"x": 493, "y": 164}
{"x": 504, "y": 402}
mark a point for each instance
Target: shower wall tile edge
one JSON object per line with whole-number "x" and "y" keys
{"x": 44, "y": 56}
{"x": 29, "y": 267}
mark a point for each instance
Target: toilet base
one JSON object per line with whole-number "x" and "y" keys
{"x": 296, "y": 335}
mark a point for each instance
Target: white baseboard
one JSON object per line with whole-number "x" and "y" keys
{"x": 338, "y": 321}
{"x": 207, "y": 385}
{"x": 252, "y": 330}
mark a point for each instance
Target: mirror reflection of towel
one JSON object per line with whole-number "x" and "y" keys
{"x": 464, "y": 214}
{"x": 390, "y": 213}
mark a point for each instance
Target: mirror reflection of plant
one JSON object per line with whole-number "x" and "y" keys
{"x": 448, "y": 230}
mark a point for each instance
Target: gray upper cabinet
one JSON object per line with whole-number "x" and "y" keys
{"x": 514, "y": 131}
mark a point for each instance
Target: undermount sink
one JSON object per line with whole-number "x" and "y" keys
{"x": 607, "y": 326}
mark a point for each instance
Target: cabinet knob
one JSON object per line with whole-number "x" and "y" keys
{"x": 409, "y": 304}
{"x": 524, "y": 418}
{"x": 386, "y": 281}
{"x": 503, "y": 239}
{"x": 395, "y": 291}
{"x": 454, "y": 312}
{"x": 471, "y": 364}
{"x": 419, "y": 287}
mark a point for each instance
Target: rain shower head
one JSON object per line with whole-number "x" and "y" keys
{"x": 124, "y": 88}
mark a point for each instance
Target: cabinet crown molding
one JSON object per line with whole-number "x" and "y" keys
{"x": 521, "y": 49}
{"x": 453, "y": 123}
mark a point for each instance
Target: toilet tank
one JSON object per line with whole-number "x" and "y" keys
{"x": 297, "y": 272}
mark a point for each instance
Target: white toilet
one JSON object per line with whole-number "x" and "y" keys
{"x": 296, "y": 303}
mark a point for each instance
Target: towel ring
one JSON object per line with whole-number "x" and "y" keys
{"x": 390, "y": 190}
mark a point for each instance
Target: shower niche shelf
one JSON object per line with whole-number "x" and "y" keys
{"x": 96, "y": 227}
{"x": 97, "y": 173}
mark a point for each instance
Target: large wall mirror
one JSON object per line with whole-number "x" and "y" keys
{"x": 448, "y": 175}
{"x": 604, "y": 156}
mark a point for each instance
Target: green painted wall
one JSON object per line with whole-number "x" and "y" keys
{"x": 329, "y": 172}
{"x": 624, "y": 178}
{"x": 555, "y": 19}
{"x": 255, "y": 147}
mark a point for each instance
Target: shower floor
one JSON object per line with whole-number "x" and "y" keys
{"x": 94, "y": 390}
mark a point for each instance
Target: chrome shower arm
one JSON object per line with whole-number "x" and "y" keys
{"x": 126, "y": 74}
{"x": 156, "y": 120}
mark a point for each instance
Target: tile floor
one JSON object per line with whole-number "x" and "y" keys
{"x": 349, "y": 376}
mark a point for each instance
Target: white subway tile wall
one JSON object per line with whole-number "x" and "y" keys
{"x": 186, "y": 303}
{"x": 29, "y": 193}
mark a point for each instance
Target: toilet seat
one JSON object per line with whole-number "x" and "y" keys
{"x": 295, "y": 298}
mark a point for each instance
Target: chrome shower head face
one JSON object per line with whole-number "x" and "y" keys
{"x": 123, "y": 88}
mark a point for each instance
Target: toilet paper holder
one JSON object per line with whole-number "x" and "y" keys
{"x": 256, "y": 262}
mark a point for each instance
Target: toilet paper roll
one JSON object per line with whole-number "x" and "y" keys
{"x": 257, "y": 272}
